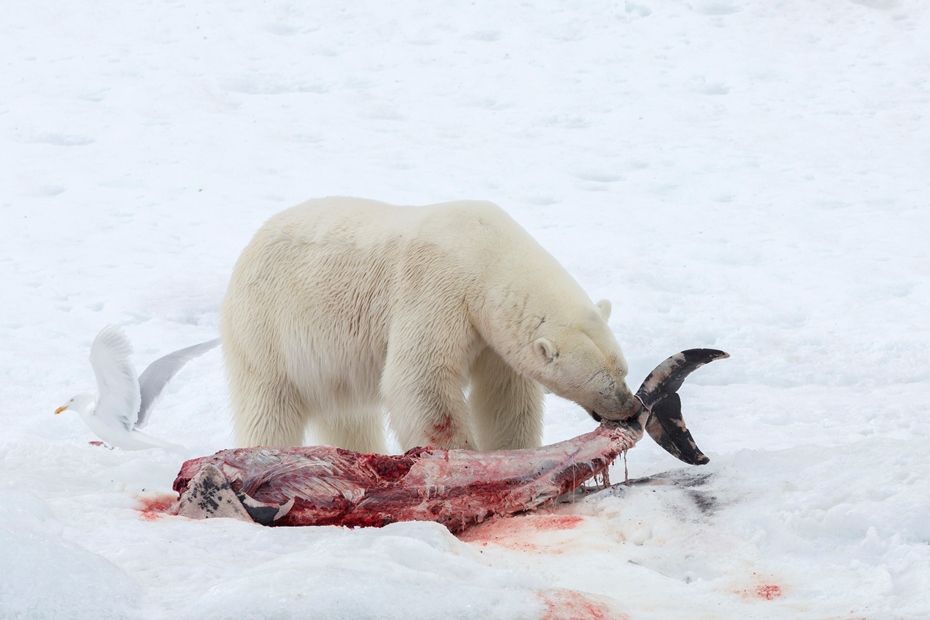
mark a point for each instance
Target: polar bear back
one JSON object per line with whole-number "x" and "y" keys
{"x": 473, "y": 242}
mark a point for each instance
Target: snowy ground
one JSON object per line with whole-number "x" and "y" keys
{"x": 749, "y": 176}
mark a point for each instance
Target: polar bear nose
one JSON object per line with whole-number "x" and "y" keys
{"x": 628, "y": 404}
{"x": 635, "y": 406}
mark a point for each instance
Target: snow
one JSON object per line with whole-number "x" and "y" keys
{"x": 747, "y": 176}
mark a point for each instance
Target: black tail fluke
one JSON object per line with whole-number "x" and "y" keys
{"x": 658, "y": 393}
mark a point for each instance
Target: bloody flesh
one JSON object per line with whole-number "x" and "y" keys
{"x": 458, "y": 488}
{"x": 323, "y": 485}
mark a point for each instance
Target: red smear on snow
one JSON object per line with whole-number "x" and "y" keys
{"x": 768, "y": 591}
{"x": 764, "y": 590}
{"x": 572, "y": 605}
{"x": 96, "y": 442}
{"x": 512, "y": 532}
{"x": 152, "y": 508}
{"x": 555, "y": 522}
{"x": 500, "y": 532}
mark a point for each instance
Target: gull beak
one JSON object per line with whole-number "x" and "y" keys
{"x": 60, "y": 409}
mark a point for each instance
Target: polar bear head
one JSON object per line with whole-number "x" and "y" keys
{"x": 580, "y": 360}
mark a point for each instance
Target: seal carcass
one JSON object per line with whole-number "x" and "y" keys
{"x": 322, "y": 485}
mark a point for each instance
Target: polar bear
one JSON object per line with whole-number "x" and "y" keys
{"x": 449, "y": 316}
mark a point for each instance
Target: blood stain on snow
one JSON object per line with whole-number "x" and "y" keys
{"x": 572, "y": 605}
{"x": 768, "y": 591}
{"x": 763, "y": 590}
{"x": 513, "y": 532}
{"x": 555, "y": 522}
{"x": 153, "y": 507}
{"x": 96, "y": 442}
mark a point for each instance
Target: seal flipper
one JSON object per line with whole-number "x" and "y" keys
{"x": 670, "y": 374}
{"x": 262, "y": 512}
{"x": 658, "y": 393}
{"x": 667, "y": 428}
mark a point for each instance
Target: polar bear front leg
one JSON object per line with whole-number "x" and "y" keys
{"x": 423, "y": 388}
{"x": 507, "y": 407}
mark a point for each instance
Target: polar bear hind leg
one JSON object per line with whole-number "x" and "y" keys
{"x": 269, "y": 414}
{"x": 267, "y": 409}
{"x": 355, "y": 428}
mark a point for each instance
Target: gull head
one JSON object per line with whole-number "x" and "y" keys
{"x": 82, "y": 403}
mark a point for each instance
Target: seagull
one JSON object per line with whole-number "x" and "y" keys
{"x": 125, "y": 401}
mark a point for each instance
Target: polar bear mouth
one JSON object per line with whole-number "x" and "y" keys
{"x": 634, "y": 413}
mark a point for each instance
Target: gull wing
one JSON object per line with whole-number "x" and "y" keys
{"x": 118, "y": 396}
{"x": 156, "y": 376}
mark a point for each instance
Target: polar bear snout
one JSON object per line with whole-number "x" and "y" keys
{"x": 622, "y": 406}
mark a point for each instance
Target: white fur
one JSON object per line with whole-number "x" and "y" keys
{"x": 340, "y": 308}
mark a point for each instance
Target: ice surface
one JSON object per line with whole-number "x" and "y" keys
{"x": 746, "y": 176}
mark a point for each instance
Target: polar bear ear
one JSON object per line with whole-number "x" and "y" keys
{"x": 603, "y": 306}
{"x": 546, "y": 349}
